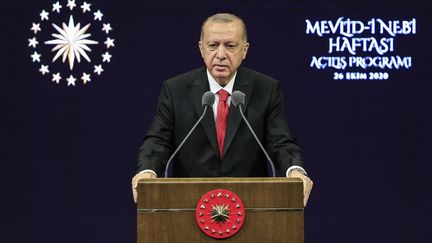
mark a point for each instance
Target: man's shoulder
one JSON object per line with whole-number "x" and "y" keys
{"x": 187, "y": 77}
{"x": 255, "y": 76}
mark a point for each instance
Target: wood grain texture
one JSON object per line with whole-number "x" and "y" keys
{"x": 284, "y": 225}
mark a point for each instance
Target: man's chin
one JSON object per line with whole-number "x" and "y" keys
{"x": 220, "y": 74}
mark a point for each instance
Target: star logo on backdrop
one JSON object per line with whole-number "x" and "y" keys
{"x": 71, "y": 42}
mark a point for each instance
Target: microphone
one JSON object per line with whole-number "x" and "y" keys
{"x": 238, "y": 100}
{"x": 208, "y": 99}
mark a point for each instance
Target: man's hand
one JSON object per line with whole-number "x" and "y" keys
{"x": 307, "y": 184}
{"x": 135, "y": 180}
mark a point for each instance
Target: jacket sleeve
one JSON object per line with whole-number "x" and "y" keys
{"x": 282, "y": 146}
{"x": 158, "y": 143}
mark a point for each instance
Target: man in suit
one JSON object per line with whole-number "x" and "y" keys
{"x": 221, "y": 145}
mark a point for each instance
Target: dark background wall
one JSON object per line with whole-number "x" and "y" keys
{"x": 67, "y": 154}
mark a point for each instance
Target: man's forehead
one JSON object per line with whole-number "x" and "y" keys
{"x": 220, "y": 33}
{"x": 218, "y": 25}
{"x": 222, "y": 30}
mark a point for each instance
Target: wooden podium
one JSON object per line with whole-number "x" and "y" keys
{"x": 273, "y": 208}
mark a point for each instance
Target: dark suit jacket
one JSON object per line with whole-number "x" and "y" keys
{"x": 180, "y": 107}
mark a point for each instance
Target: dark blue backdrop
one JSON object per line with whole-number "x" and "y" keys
{"x": 68, "y": 153}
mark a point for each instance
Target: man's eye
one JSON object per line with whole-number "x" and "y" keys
{"x": 231, "y": 47}
{"x": 212, "y": 46}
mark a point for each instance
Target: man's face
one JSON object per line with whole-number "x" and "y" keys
{"x": 223, "y": 49}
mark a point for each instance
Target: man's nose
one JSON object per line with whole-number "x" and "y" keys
{"x": 221, "y": 54}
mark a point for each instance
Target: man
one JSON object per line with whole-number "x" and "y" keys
{"x": 221, "y": 145}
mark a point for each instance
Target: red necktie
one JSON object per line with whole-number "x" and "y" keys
{"x": 221, "y": 119}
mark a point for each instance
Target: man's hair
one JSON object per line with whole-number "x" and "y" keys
{"x": 224, "y": 18}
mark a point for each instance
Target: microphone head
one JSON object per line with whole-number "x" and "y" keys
{"x": 208, "y": 98}
{"x": 238, "y": 98}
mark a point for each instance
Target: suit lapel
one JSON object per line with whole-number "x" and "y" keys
{"x": 245, "y": 85}
{"x": 198, "y": 88}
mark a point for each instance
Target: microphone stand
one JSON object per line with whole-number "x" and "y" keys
{"x": 259, "y": 143}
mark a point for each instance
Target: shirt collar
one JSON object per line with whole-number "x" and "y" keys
{"x": 215, "y": 86}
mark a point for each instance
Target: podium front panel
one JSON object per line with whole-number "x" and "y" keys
{"x": 274, "y": 209}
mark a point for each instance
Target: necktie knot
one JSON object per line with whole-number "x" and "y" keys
{"x": 223, "y": 95}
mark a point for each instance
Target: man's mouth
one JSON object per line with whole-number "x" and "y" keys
{"x": 220, "y": 66}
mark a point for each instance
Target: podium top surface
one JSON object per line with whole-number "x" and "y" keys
{"x": 222, "y": 180}
{"x": 262, "y": 192}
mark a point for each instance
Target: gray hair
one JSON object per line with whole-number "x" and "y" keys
{"x": 224, "y": 18}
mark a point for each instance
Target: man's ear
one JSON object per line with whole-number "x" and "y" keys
{"x": 201, "y": 48}
{"x": 245, "y": 49}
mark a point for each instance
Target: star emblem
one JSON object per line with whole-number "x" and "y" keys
{"x": 36, "y": 57}
{"x": 86, "y": 7}
{"x": 44, "y": 69}
{"x": 44, "y": 15}
{"x": 106, "y": 28}
{"x": 56, "y": 77}
{"x": 71, "y": 42}
{"x": 98, "y": 69}
{"x": 98, "y": 15}
{"x": 35, "y": 28}
{"x": 220, "y": 219}
{"x": 71, "y": 80}
{"x": 85, "y": 78}
{"x": 220, "y": 213}
{"x": 109, "y": 42}
{"x": 56, "y": 7}
{"x": 71, "y": 4}
{"x": 106, "y": 57}
{"x": 33, "y": 42}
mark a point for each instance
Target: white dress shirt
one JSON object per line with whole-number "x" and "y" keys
{"x": 215, "y": 87}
